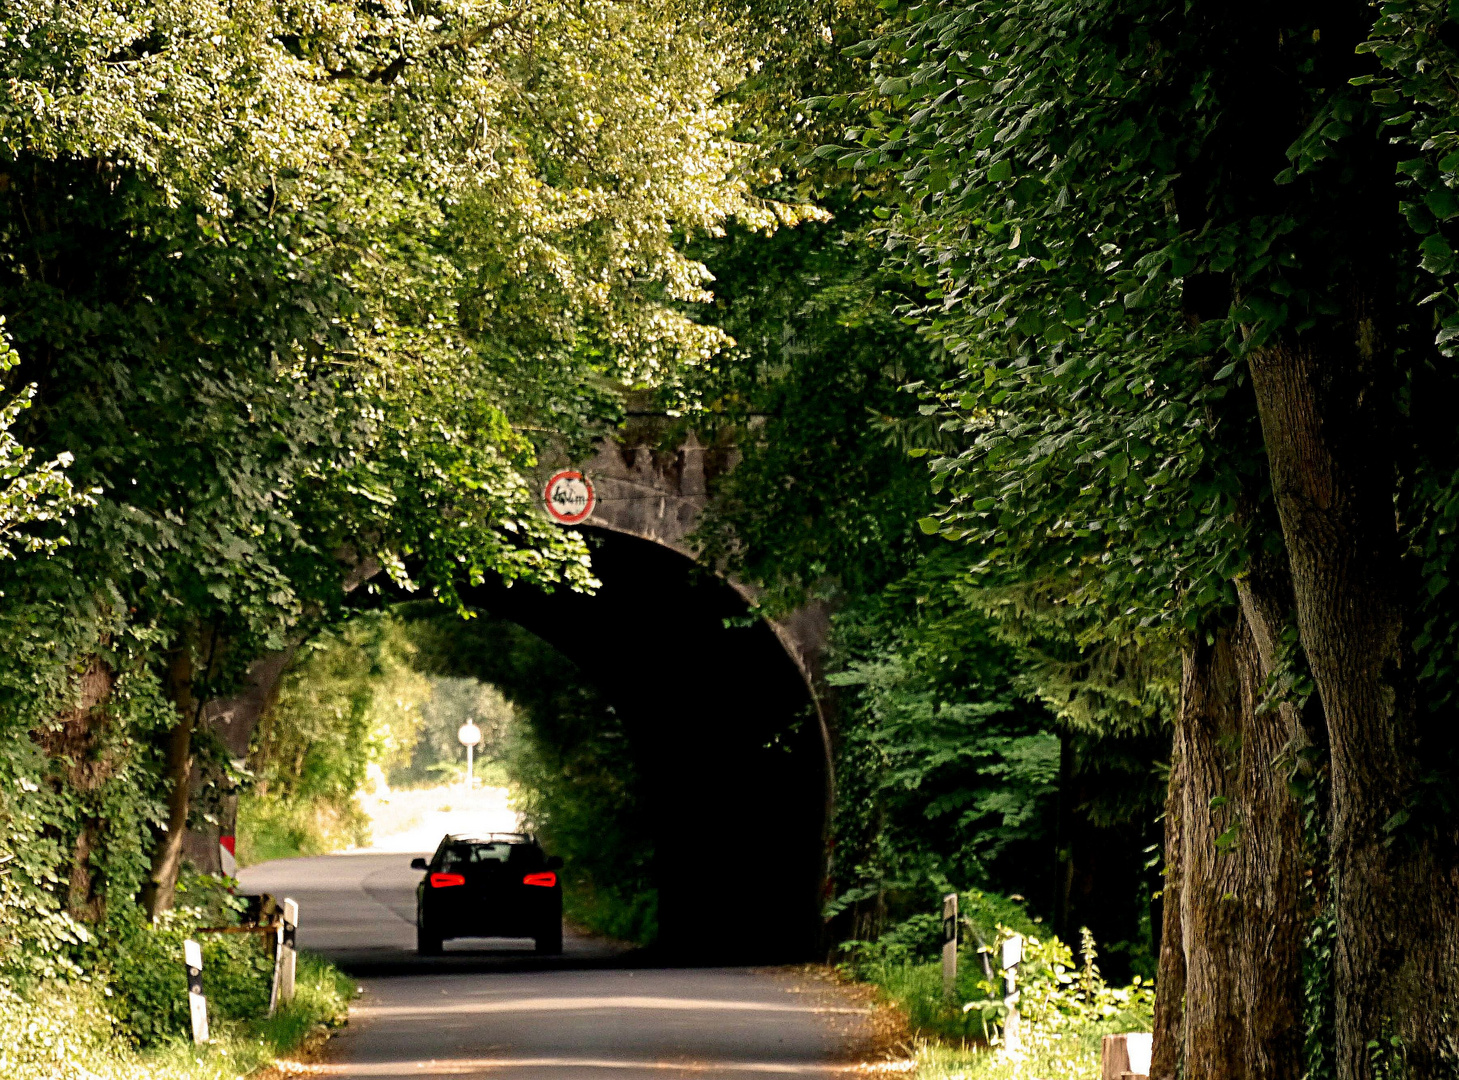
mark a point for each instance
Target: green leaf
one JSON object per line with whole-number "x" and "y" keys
{"x": 1442, "y": 203}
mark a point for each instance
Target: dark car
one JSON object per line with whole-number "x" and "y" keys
{"x": 494, "y": 885}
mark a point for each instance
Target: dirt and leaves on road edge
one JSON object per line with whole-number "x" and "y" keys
{"x": 878, "y": 1037}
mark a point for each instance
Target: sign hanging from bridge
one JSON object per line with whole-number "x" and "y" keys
{"x": 569, "y": 496}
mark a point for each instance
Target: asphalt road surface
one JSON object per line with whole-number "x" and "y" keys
{"x": 491, "y": 1008}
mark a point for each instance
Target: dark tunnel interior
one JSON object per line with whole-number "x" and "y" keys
{"x": 724, "y": 733}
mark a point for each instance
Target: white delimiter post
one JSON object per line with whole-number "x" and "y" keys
{"x": 197, "y": 1005}
{"x": 1012, "y": 1033}
{"x": 949, "y": 944}
{"x": 287, "y": 951}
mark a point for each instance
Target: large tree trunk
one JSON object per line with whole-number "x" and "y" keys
{"x": 158, "y": 892}
{"x": 1240, "y": 859}
{"x": 1325, "y": 411}
{"x": 1165, "y": 1058}
{"x": 80, "y": 741}
{"x": 233, "y": 721}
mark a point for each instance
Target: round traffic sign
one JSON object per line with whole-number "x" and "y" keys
{"x": 569, "y": 496}
{"x": 469, "y": 734}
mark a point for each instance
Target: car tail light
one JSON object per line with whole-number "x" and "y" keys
{"x": 443, "y": 881}
{"x": 546, "y": 880}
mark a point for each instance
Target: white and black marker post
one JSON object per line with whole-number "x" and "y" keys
{"x": 284, "y": 934}
{"x": 1012, "y": 1023}
{"x": 949, "y": 944}
{"x": 197, "y": 1005}
{"x": 287, "y": 950}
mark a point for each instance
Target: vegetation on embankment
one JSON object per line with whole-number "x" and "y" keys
{"x": 127, "y": 1017}
{"x": 1066, "y": 1007}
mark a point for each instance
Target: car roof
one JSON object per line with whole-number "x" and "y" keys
{"x": 490, "y": 838}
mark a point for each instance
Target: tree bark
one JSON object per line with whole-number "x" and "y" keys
{"x": 1326, "y": 416}
{"x": 80, "y": 742}
{"x": 1240, "y": 857}
{"x": 157, "y": 894}
{"x": 233, "y": 720}
{"x": 1165, "y": 1056}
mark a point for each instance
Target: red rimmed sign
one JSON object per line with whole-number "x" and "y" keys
{"x": 569, "y": 496}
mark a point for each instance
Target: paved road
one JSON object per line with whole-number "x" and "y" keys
{"x": 490, "y": 1008}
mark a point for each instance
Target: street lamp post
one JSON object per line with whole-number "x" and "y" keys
{"x": 470, "y": 735}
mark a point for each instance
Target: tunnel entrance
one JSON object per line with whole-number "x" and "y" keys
{"x": 728, "y": 748}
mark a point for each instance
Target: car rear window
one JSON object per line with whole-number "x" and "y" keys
{"x": 456, "y": 856}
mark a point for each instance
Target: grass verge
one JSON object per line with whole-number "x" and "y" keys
{"x": 66, "y": 1032}
{"x": 1066, "y": 1010}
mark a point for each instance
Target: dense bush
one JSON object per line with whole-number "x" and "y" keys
{"x": 1066, "y": 1007}
{"x": 69, "y": 1031}
{"x": 142, "y": 962}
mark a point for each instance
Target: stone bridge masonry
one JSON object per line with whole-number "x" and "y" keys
{"x": 659, "y": 497}
{"x": 649, "y": 494}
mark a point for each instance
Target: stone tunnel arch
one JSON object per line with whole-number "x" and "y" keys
{"x": 730, "y": 711}
{"x": 726, "y": 736}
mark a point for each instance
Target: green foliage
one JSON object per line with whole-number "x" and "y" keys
{"x": 282, "y": 828}
{"x": 142, "y": 966}
{"x": 948, "y": 773}
{"x": 823, "y": 500}
{"x": 68, "y": 1031}
{"x": 622, "y": 913}
{"x": 302, "y": 290}
{"x": 31, "y": 491}
{"x": 38, "y": 939}
{"x": 953, "y": 696}
{"x": 322, "y": 996}
{"x": 437, "y": 753}
{"x": 917, "y": 939}
{"x": 349, "y": 707}
{"x": 1065, "y": 1008}
{"x": 351, "y": 698}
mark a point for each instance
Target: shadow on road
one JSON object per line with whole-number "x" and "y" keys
{"x": 358, "y": 910}
{"x": 493, "y": 1008}
{"x": 461, "y": 959}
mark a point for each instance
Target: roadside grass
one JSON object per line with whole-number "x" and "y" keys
{"x": 1070, "y": 1056}
{"x": 1066, "y": 1009}
{"x": 283, "y": 829}
{"x": 66, "y": 1032}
